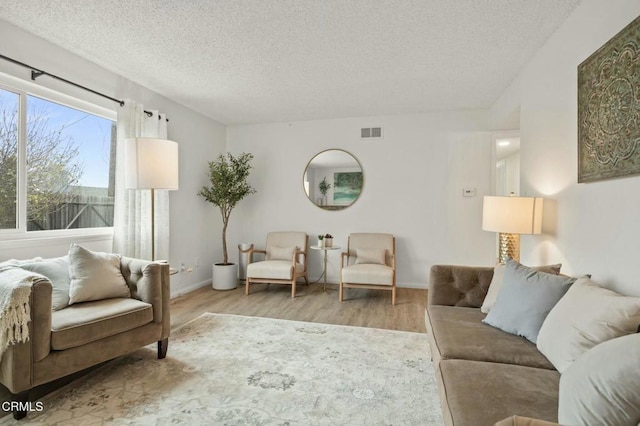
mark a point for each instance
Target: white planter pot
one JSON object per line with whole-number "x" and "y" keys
{"x": 225, "y": 277}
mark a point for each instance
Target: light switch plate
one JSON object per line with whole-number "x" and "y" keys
{"x": 469, "y": 192}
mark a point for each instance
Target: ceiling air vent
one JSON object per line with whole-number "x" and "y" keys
{"x": 371, "y": 133}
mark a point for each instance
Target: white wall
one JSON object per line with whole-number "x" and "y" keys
{"x": 194, "y": 223}
{"x": 590, "y": 228}
{"x": 413, "y": 181}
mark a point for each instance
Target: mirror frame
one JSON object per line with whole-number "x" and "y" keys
{"x": 336, "y": 207}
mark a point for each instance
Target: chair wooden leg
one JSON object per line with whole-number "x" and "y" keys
{"x": 21, "y": 398}
{"x": 163, "y": 345}
{"x": 293, "y": 289}
{"x": 341, "y": 292}
{"x": 393, "y": 295}
{"x": 246, "y": 287}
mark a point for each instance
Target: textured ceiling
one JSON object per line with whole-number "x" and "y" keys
{"x": 275, "y": 60}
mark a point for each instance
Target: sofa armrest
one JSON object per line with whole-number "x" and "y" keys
{"x": 149, "y": 282}
{"x": 16, "y": 368}
{"x": 453, "y": 285}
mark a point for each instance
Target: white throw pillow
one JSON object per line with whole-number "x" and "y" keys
{"x": 586, "y": 316}
{"x": 371, "y": 256}
{"x": 95, "y": 276}
{"x": 281, "y": 253}
{"x": 602, "y": 387}
{"x": 498, "y": 278}
{"x": 494, "y": 288}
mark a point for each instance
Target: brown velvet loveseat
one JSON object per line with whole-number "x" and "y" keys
{"x": 484, "y": 375}
{"x": 82, "y": 335}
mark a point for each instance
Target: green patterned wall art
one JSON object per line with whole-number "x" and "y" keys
{"x": 346, "y": 187}
{"x": 609, "y": 108}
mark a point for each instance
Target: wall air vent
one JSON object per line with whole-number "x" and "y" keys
{"x": 371, "y": 132}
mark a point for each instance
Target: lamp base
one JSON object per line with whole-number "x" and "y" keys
{"x": 508, "y": 247}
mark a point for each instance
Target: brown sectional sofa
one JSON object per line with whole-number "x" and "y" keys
{"x": 484, "y": 375}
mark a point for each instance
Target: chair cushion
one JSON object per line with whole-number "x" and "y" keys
{"x": 482, "y": 393}
{"x": 87, "y": 322}
{"x": 280, "y": 253}
{"x": 373, "y": 256}
{"x": 367, "y": 274}
{"x": 459, "y": 333}
{"x": 272, "y": 269}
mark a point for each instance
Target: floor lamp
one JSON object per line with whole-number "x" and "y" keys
{"x": 152, "y": 164}
{"x": 511, "y": 216}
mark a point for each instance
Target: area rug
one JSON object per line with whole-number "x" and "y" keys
{"x": 235, "y": 370}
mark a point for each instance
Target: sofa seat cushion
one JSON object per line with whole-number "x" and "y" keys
{"x": 87, "y": 322}
{"x": 459, "y": 333}
{"x": 368, "y": 274}
{"x": 272, "y": 269}
{"x": 475, "y": 393}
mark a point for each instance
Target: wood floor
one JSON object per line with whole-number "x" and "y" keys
{"x": 364, "y": 308}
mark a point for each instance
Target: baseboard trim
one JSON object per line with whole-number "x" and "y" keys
{"x": 188, "y": 289}
{"x": 193, "y": 287}
{"x": 422, "y": 286}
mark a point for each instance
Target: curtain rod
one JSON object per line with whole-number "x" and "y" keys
{"x": 35, "y": 73}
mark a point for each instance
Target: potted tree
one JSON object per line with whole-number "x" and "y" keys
{"x": 324, "y": 187}
{"x": 228, "y": 185}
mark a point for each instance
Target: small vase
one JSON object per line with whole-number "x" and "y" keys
{"x": 328, "y": 242}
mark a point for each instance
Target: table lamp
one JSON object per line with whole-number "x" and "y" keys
{"x": 151, "y": 163}
{"x": 510, "y": 217}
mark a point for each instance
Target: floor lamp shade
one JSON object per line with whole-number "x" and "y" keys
{"x": 151, "y": 163}
{"x": 512, "y": 216}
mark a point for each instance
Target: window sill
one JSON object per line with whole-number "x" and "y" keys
{"x": 49, "y": 238}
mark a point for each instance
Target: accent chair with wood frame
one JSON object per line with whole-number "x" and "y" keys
{"x": 285, "y": 260}
{"x": 369, "y": 262}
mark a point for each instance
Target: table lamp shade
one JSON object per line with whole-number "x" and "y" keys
{"x": 512, "y": 215}
{"x": 151, "y": 163}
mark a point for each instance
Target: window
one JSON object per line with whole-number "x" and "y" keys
{"x": 8, "y": 159}
{"x": 56, "y": 164}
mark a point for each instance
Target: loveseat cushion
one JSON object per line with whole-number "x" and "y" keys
{"x": 368, "y": 273}
{"x": 272, "y": 269}
{"x": 459, "y": 333}
{"x": 474, "y": 393}
{"x": 83, "y": 323}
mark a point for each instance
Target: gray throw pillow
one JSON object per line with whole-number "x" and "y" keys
{"x": 602, "y": 386}
{"x": 57, "y": 271}
{"x": 525, "y": 300}
{"x": 95, "y": 276}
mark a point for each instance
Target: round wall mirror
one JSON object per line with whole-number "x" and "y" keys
{"x": 333, "y": 179}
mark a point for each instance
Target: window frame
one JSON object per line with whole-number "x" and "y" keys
{"x": 14, "y": 236}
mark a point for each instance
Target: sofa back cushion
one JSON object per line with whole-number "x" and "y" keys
{"x": 498, "y": 279}
{"x": 57, "y": 270}
{"x": 526, "y": 298}
{"x": 95, "y": 276}
{"x": 602, "y": 387}
{"x": 587, "y": 315}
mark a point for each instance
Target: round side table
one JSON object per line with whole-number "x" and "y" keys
{"x": 324, "y": 269}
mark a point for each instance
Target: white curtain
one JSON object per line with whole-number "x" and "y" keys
{"x": 132, "y": 210}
